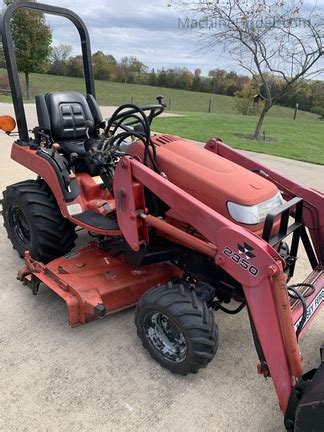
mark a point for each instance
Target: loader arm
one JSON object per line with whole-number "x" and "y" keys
{"x": 260, "y": 276}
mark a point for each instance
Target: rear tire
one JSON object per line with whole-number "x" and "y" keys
{"x": 176, "y": 328}
{"x": 34, "y": 222}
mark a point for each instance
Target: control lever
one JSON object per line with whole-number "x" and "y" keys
{"x": 88, "y": 125}
{"x": 55, "y": 149}
{"x": 160, "y": 99}
{"x": 73, "y": 156}
{"x": 72, "y": 176}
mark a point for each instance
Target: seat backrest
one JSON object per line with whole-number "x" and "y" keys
{"x": 65, "y": 114}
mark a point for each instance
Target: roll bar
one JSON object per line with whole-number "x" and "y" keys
{"x": 10, "y": 56}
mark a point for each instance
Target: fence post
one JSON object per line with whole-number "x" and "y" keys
{"x": 296, "y": 111}
{"x": 210, "y": 106}
{"x": 170, "y": 104}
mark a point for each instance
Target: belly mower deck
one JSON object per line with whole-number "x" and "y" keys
{"x": 93, "y": 282}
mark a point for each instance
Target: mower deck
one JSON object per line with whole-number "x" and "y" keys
{"x": 93, "y": 282}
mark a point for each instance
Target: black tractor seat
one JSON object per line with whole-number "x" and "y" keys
{"x": 66, "y": 117}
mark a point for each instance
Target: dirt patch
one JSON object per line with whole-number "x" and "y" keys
{"x": 264, "y": 138}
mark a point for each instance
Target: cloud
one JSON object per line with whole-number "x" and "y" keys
{"x": 147, "y": 29}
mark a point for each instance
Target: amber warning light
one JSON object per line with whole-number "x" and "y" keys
{"x": 7, "y": 123}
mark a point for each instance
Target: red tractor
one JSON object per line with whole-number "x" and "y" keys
{"x": 177, "y": 230}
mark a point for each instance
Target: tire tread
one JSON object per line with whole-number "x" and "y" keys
{"x": 191, "y": 315}
{"x": 55, "y": 235}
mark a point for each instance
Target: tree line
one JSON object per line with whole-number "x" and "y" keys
{"x": 309, "y": 95}
{"x": 132, "y": 70}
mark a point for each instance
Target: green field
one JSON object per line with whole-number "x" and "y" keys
{"x": 301, "y": 139}
{"x": 111, "y": 93}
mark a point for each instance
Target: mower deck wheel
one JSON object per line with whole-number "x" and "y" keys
{"x": 34, "y": 222}
{"x": 177, "y": 328}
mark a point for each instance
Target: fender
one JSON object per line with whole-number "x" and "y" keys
{"x": 52, "y": 169}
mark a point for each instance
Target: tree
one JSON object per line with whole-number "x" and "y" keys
{"x": 104, "y": 67}
{"x": 196, "y": 84}
{"x": 245, "y": 99}
{"x": 2, "y": 59}
{"x": 163, "y": 78}
{"x": 317, "y": 89}
{"x": 75, "y": 67}
{"x": 60, "y": 55}
{"x": 217, "y": 77}
{"x": 173, "y": 78}
{"x": 152, "y": 80}
{"x": 187, "y": 79}
{"x": 130, "y": 68}
{"x": 266, "y": 37}
{"x": 32, "y": 40}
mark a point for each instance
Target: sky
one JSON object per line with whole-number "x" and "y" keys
{"x": 147, "y": 29}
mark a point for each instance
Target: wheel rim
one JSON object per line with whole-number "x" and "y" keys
{"x": 165, "y": 336}
{"x": 19, "y": 225}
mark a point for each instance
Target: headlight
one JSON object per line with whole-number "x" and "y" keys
{"x": 252, "y": 215}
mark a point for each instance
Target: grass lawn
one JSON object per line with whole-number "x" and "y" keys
{"x": 110, "y": 93}
{"x": 301, "y": 139}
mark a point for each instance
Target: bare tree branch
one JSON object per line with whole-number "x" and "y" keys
{"x": 276, "y": 41}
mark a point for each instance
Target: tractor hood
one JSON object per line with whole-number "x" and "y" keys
{"x": 214, "y": 180}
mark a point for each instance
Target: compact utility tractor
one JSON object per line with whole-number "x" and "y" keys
{"x": 178, "y": 230}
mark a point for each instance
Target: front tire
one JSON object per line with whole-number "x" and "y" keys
{"x": 176, "y": 328}
{"x": 34, "y": 222}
